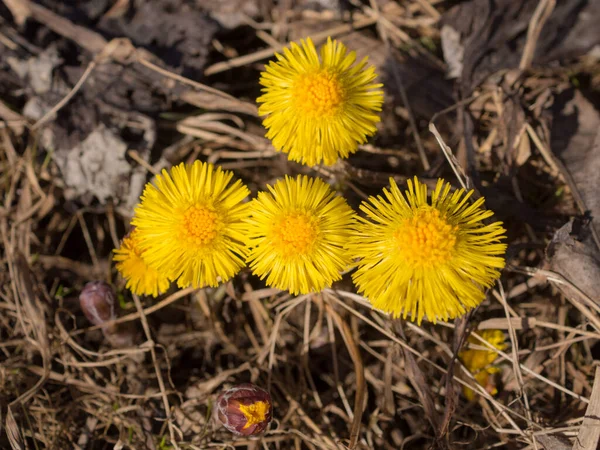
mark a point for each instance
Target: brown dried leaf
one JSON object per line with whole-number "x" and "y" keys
{"x": 589, "y": 433}
{"x": 494, "y": 34}
{"x": 575, "y": 141}
{"x": 512, "y": 127}
{"x": 572, "y": 254}
{"x": 553, "y": 442}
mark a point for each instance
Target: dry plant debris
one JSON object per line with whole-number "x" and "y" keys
{"x": 97, "y": 97}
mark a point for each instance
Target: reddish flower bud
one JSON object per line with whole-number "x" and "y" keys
{"x": 97, "y": 300}
{"x": 245, "y": 409}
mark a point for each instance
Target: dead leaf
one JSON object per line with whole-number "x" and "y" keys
{"x": 494, "y": 34}
{"x": 553, "y": 442}
{"x": 572, "y": 254}
{"x": 516, "y": 149}
{"x": 575, "y": 141}
{"x": 453, "y": 51}
{"x": 37, "y": 69}
{"x": 98, "y": 167}
{"x": 231, "y": 13}
{"x": 589, "y": 433}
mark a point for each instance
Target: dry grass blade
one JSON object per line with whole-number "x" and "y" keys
{"x": 268, "y": 52}
{"x": 12, "y": 431}
{"x": 589, "y": 433}
{"x": 92, "y": 41}
{"x": 506, "y": 412}
{"x": 146, "y": 312}
{"x": 411, "y": 118}
{"x": 52, "y": 113}
{"x": 515, "y": 353}
{"x": 202, "y": 87}
{"x": 539, "y": 18}
{"x": 11, "y": 119}
{"x": 19, "y": 10}
{"x": 576, "y": 296}
{"x": 419, "y": 381}
{"x": 460, "y": 334}
{"x": 532, "y": 373}
{"x": 33, "y": 320}
{"x": 456, "y": 167}
{"x": 159, "y": 377}
{"x": 206, "y": 387}
{"x": 212, "y": 101}
{"x": 360, "y": 397}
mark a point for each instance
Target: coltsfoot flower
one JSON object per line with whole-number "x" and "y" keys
{"x": 296, "y": 235}
{"x": 141, "y": 278}
{"x": 319, "y": 108}
{"x": 191, "y": 224}
{"x": 245, "y": 409}
{"x": 479, "y": 362}
{"x": 422, "y": 258}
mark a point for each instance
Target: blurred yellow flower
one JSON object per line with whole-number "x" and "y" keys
{"x": 191, "y": 224}
{"x": 319, "y": 109}
{"x": 426, "y": 259}
{"x": 479, "y": 362}
{"x": 141, "y": 279}
{"x": 296, "y": 235}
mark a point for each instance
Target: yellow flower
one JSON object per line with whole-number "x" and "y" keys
{"x": 191, "y": 224}
{"x": 478, "y": 362}
{"x": 426, "y": 259}
{"x": 319, "y": 109}
{"x": 141, "y": 279}
{"x": 296, "y": 235}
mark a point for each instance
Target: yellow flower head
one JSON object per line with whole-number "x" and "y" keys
{"x": 478, "y": 362}
{"x": 425, "y": 258}
{"x": 141, "y": 279}
{"x": 191, "y": 224}
{"x": 319, "y": 109}
{"x": 296, "y": 235}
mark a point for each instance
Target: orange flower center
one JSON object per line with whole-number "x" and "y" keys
{"x": 295, "y": 234}
{"x": 318, "y": 94}
{"x": 200, "y": 225}
{"x": 426, "y": 239}
{"x": 254, "y": 413}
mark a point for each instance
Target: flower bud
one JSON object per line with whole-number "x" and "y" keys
{"x": 245, "y": 409}
{"x": 97, "y": 300}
